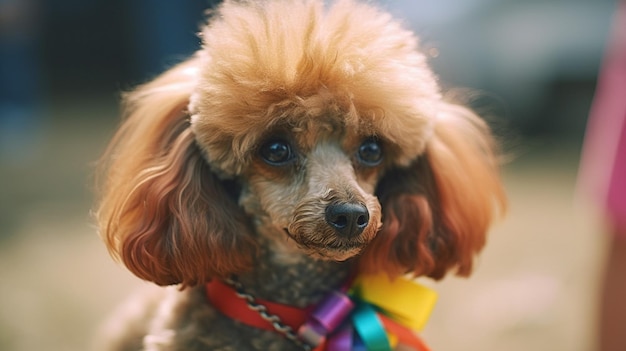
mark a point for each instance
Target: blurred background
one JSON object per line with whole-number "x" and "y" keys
{"x": 529, "y": 66}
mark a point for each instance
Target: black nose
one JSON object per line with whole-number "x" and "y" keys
{"x": 348, "y": 219}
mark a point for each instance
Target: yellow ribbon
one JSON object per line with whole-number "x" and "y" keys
{"x": 404, "y": 300}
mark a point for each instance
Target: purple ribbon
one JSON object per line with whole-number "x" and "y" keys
{"x": 326, "y": 318}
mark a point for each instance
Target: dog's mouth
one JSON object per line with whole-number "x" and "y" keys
{"x": 331, "y": 248}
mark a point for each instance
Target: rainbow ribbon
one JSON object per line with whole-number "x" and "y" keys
{"x": 377, "y": 314}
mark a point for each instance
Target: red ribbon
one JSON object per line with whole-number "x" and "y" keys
{"x": 226, "y": 301}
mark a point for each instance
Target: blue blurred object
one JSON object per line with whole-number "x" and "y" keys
{"x": 165, "y": 32}
{"x": 19, "y": 80}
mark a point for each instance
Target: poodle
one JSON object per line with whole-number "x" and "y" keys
{"x": 302, "y": 144}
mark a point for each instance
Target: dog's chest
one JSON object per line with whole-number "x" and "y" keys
{"x": 299, "y": 284}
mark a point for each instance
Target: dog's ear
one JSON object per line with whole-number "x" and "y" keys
{"x": 162, "y": 211}
{"x": 437, "y": 211}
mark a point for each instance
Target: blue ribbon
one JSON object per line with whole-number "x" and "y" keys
{"x": 370, "y": 329}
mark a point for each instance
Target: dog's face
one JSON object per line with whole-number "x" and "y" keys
{"x": 314, "y": 184}
{"x": 333, "y": 126}
{"x": 309, "y": 179}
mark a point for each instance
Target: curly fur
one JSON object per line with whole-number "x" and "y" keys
{"x": 188, "y": 197}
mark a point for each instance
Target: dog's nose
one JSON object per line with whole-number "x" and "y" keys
{"x": 348, "y": 219}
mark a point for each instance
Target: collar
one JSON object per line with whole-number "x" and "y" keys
{"x": 365, "y": 318}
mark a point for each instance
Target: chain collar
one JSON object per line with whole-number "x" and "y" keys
{"x": 263, "y": 311}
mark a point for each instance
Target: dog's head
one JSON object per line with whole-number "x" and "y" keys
{"x": 323, "y": 130}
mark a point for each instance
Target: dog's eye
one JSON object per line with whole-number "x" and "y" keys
{"x": 370, "y": 152}
{"x": 276, "y": 152}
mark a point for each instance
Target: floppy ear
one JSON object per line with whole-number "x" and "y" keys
{"x": 437, "y": 211}
{"x": 162, "y": 211}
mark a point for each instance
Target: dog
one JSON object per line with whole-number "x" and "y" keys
{"x": 303, "y": 143}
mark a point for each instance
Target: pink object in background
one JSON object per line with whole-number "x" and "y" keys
{"x": 603, "y": 164}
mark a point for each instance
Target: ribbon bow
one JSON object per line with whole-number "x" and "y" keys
{"x": 377, "y": 314}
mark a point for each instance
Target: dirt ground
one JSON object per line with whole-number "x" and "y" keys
{"x": 535, "y": 286}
